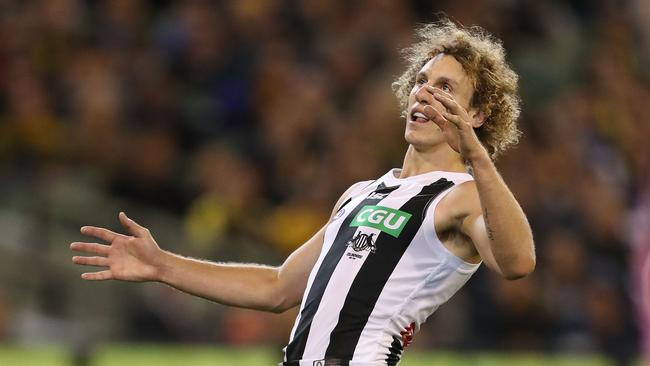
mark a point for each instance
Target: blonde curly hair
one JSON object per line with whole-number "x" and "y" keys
{"x": 483, "y": 59}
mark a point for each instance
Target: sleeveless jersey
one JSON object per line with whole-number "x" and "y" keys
{"x": 381, "y": 272}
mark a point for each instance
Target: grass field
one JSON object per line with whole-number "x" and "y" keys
{"x": 157, "y": 355}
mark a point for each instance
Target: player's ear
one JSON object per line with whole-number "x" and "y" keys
{"x": 477, "y": 117}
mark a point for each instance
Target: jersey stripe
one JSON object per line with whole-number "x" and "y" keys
{"x": 296, "y": 348}
{"x": 395, "y": 354}
{"x": 374, "y": 274}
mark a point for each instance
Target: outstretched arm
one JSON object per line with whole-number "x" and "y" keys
{"x": 137, "y": 257}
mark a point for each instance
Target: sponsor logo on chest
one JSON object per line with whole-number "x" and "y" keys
{"x": 386, "y": 219}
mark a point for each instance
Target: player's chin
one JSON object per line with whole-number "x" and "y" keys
{"x": 416, "y": 135}
{"x": 418, "y": 141}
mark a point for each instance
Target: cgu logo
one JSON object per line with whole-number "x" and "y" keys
{"x": 386, "y": 219}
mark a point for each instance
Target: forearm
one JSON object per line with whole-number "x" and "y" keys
{"x": 506, "y": 225}
{"x": 241, "y": 285}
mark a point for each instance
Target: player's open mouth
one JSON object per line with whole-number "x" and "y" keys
{"x": 419, "y": 117}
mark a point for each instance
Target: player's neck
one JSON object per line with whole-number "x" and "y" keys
{"x": 440, "y": 158}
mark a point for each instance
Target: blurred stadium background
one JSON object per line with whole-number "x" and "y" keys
{"x": 230, "y": 128}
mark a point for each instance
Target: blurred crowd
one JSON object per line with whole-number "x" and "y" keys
{"x": 230, "y": 128}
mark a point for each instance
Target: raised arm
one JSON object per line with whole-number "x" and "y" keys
{"x": 487, "y": 211}
{"x": 137, "y": 257}
{"x": 500, "y": 229}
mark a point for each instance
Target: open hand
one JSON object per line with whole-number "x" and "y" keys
{"x": 457, "y": 125}
{"x": 128, "y": 258}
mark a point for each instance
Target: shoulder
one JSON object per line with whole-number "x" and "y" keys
{"x": 462, "y": 201}
{"x": 358, "y": 186}
{"x": 354, "y": 189}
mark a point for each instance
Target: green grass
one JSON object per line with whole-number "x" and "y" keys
{"x": 33, "y": 356}
{"x": 487, "y": 359}
{"x": 182, "y": 356}
{"x": 161, "y": 355}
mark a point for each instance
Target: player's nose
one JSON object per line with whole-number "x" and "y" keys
{"x": 424, "y": 95}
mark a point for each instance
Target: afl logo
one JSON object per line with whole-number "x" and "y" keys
{"x": 362, "y": 242}
{"x": 339, "y": 214}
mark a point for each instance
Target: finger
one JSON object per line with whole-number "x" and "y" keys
{"x": 91, "y": 261}
{"x": 436, "y": 117}
{"x": 132, "y": 226}
{"x": 90, "y": 248}
{"x": 100, "y": 232}
{"x": 439, "y": 120}
{"x": 97, "y": 276}
{"x": 449, "y": 102}
{"x": 456, "y": 120}
{"x": 435, "y": 90}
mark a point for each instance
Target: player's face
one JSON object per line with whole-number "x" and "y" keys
{"x": 442, "y": 72}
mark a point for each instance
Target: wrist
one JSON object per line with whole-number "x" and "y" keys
{"x": 163, "y": 266}
{"x": 479, "y": 159}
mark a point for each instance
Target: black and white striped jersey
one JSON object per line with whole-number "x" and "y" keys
{"x": 381, "y": 272}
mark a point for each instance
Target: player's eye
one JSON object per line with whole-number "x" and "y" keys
{"x": 446, "y": 87}
{"x": 421, "y": 81}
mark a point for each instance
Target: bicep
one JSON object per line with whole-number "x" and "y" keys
{"x": 473, "y": 225}
{"x": 469, "y": 217}
{"x": 294, "y": 272}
